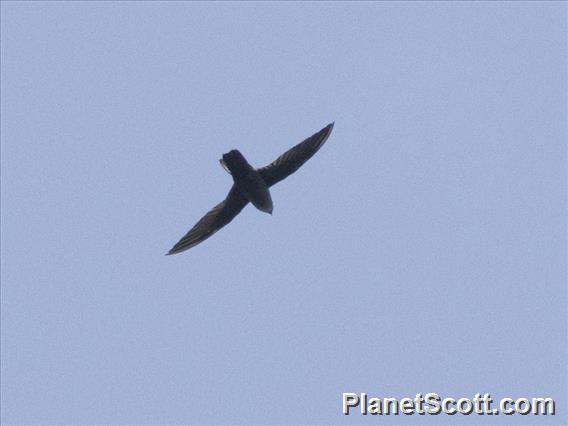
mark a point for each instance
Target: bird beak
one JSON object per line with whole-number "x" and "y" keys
{"x": 224, "y": 165}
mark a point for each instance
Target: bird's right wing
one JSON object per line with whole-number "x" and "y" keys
{"x": 292, "y": 159}
{"x": 215, "y": 219}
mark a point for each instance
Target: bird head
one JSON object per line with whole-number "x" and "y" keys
{"x": 235, "y": 163}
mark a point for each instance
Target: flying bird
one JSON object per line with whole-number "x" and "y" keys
{"x": 250, "y": 184}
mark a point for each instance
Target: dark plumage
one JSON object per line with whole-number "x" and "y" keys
{"x": 250, "y": 184}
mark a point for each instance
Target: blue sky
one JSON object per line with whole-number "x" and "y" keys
{"x": 423, "y": 249}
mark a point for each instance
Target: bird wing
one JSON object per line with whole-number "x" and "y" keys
{"x": 215, "y": 219}
{"x": 292, "y": 159}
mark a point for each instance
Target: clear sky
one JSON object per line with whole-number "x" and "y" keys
{"x": 423, "y": 249}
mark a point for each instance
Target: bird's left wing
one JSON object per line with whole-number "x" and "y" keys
{"x": 293, "y": 159}
{"x": 215, "y": 219}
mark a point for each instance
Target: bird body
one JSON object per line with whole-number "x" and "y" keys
{"x": 256, "y": 191}
{"x": 250, "y": 185}
{"x": 248, "y": 180}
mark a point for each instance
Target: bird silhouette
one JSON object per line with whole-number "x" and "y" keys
{"x": 250, "y": 184}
